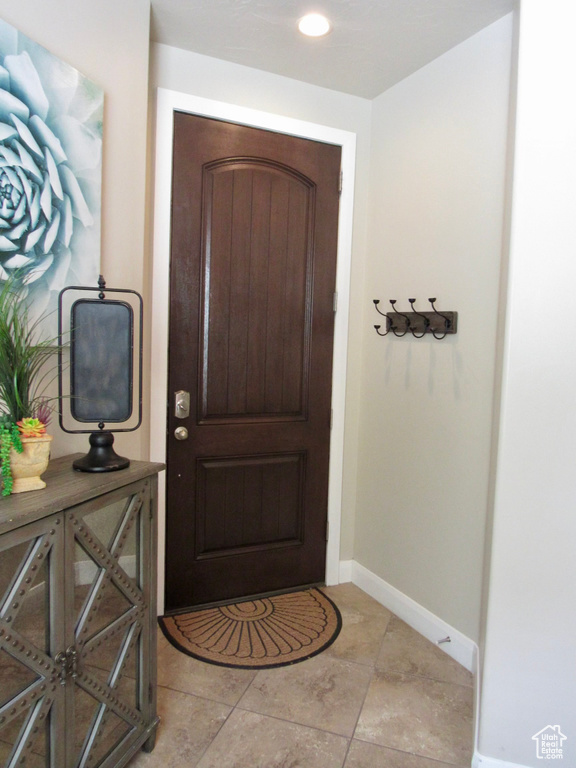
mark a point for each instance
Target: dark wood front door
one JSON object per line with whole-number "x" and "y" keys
{"x": 253, "y": 264}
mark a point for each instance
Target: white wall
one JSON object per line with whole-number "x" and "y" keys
{"x": 435, "y": 229}
{"x": 529, "y": 672}
{"x": 108, "y": 41}
{"x": 202, "y": 76}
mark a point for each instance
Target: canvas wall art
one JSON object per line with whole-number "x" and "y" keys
{"x": 50, "y": 172}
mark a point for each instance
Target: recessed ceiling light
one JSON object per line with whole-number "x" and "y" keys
{"x": 314, "y": 25}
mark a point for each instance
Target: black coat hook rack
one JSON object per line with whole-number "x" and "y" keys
{"x": 439, "y": 324}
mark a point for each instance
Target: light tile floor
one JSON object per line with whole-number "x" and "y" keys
{"x": 380, "y": 697}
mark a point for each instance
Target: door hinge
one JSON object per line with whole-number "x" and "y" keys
{"x": 327, "y": 529}
{"x": 335, "y": 302}
{"x": 340, "y": 182}
{"x": 331, "y": 417}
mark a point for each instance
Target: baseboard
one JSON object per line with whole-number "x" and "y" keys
{"x": 480, "y": 761}
{"x": 345, "y": 571}
{"x": 460, "y": 647}
{"x": 476, "y": 713}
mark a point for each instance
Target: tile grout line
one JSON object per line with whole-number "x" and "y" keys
{"x": 233, "y": 709}
{"x": 293, "y": 722}
{"x": 373, "y": 669}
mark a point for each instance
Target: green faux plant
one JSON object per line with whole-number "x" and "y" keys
{"x": 9, "y": 438}
{"x": 23, "y": 372}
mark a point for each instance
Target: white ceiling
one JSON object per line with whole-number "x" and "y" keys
{"x": 373, "y": 44}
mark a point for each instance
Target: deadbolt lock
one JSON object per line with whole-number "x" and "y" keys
{"x": 181, "y": 404}
{"x": 181, "y": 433}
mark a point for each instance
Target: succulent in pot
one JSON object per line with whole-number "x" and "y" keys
{"x": 25, "y": 374}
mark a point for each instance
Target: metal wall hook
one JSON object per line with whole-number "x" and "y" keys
{"x": 377, "y": 327}
{"x": 376, "y": 302}
{"x": 439, "y": 324}
{"x": 447, "y": 321}
{"x": 424, "y": 318}
{"x": 406, "y": 318}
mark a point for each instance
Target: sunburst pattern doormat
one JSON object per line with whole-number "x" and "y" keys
{"x": 257, "y": 634}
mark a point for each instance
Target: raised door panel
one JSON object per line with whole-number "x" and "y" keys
{"x": 256, "y": 282}
{"x": 249, "y": 503}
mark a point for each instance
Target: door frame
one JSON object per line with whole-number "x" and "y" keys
{"x": 168, "y": 102}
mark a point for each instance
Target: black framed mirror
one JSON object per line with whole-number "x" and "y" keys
{"x": 100, "y": 369}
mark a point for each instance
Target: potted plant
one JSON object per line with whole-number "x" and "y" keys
{"x": 24, "y": 409}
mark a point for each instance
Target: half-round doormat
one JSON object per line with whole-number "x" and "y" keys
{"x": 257, "y": 634}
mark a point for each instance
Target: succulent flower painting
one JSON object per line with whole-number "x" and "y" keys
{"x": 50, "y": 172}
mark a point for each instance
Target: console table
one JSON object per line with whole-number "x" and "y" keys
{"x": 78, "y": 618}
